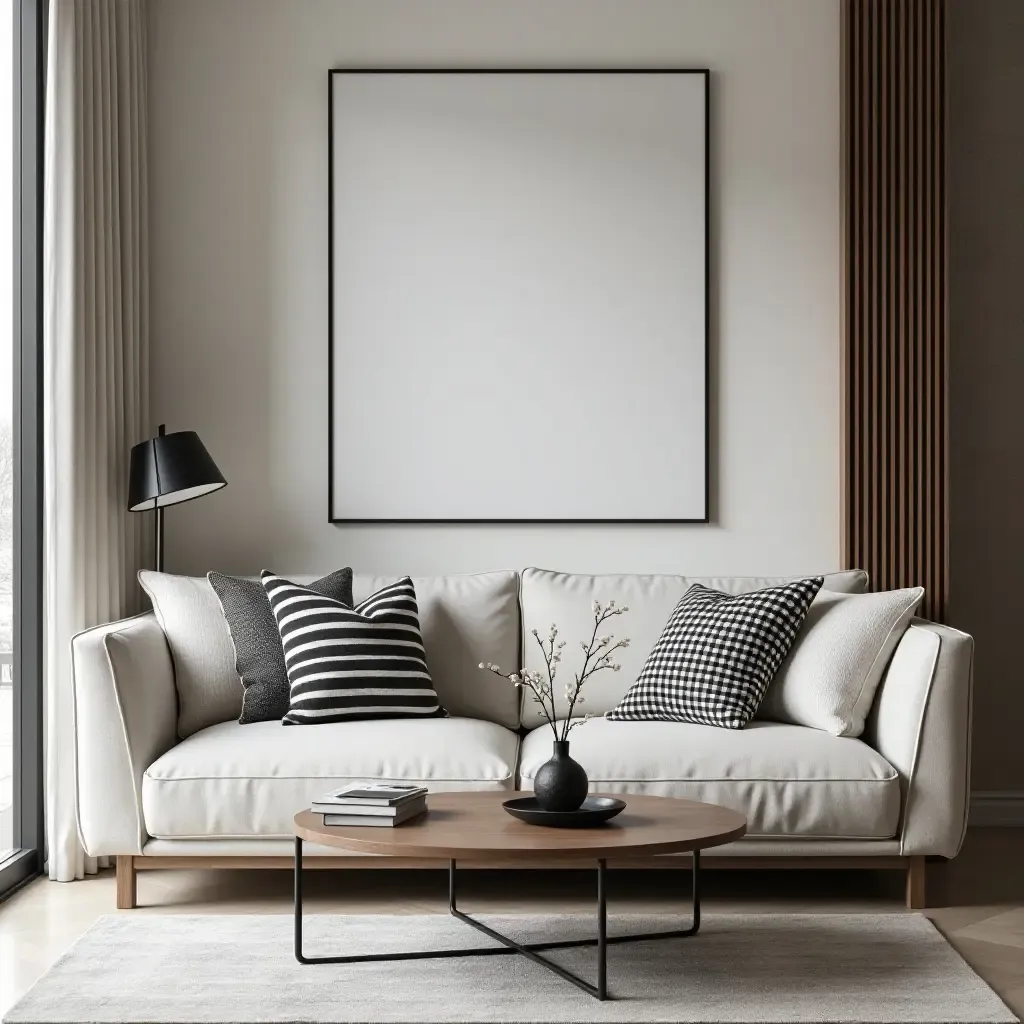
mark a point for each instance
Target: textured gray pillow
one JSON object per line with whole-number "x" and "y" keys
{"x": 259, "y": 656}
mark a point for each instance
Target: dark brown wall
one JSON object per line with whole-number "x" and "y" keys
{"x": 986, "y": 176}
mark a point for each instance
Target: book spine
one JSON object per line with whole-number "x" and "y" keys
{"x": 367, "y": 809}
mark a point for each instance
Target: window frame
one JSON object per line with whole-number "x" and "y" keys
{"x": 29, "y": 51}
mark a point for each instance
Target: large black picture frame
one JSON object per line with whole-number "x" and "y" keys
{"x": 705, "y": 73}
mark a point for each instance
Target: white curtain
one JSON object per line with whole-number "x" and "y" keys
{"x": 96, "y": 357}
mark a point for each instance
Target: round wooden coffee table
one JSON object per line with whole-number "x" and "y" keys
{"x": 475, "y": 827}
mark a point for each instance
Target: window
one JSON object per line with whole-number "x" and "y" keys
{"x": 7, "y": 26}
{"x": 21, "y": 109}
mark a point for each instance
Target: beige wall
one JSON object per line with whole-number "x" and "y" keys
{"x": 238, "y": 95}
{"x": 986, "y": 167}
{"x": 238, "y": 105}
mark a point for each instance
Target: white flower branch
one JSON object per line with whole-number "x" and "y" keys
{"x": 597, "y": 656}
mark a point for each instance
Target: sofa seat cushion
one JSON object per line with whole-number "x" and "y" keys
{"x": 788, "y": 780}
{"x": 250, "y": 780}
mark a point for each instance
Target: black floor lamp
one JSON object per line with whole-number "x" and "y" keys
{"x": 167, "y": 470}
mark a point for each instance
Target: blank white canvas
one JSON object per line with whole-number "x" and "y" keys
{"x": 519, "y": 296}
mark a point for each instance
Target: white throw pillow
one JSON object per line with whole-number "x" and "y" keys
{"x": 189, "y": 613}
{"x": 829, "y": 678}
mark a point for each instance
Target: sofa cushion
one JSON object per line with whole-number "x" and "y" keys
{"x": 206, "y": 677}
{"x": 187, "y": 608}
{"x": 788, "y": 780}
{"x": 259, "y": 656}
{"x": 829, "y": 679}
{"x": 717, "y": 654}
{"x": 348, "y": 663}
{"x": 566, "y": 598}
{"x": 464, "y": 620}
{"x": 250, "y": 780}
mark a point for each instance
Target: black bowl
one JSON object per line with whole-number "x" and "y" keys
{"x": 594, "y": 811}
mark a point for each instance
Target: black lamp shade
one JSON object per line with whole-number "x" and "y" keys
{"x": 169, "y": 469}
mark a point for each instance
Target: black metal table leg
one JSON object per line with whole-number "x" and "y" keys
{"x": 298, "y": 902}
{"x": 602, "y": 933}
{"x": 681, "y": 933}
{"x": 363, "y": 958}
{"x": 531, "y": 950}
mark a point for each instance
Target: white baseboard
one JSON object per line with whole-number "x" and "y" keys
{"x": 997, "y": 808}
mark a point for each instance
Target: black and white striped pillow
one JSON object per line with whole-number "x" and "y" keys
{"x": 349, "y": 663}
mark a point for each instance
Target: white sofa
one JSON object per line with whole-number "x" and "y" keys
{"x": 225, "y": 794}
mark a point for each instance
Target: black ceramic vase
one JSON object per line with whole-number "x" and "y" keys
{"x": 561, "y": 783}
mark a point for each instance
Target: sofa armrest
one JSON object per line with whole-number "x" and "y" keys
{"x": 126, "y": 713}
{"x": 921, "y": 724}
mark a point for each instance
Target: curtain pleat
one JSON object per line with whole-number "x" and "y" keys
{"x": 96, "y": 358}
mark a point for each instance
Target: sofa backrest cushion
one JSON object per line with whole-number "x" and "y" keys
{"x": 466, "y": 620}
{"x": 565, "y": 599}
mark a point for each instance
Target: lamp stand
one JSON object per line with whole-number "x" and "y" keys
{"x": 159, "y": 539}
{"x": 162, "y": 430}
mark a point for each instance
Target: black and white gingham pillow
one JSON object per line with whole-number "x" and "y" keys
{"x": 717, "y": 654}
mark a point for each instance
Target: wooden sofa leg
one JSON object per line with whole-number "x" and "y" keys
{"x": 916, "y": 894}
{"x": 127, "y": 888}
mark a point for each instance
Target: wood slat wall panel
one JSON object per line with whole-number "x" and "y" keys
{"x": 896, "y": 508}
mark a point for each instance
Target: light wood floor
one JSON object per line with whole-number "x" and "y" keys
{"x": 976, "y": 900}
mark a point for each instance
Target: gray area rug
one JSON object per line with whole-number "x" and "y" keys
{"x": 741, "y": 968}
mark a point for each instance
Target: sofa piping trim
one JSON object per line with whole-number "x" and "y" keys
{"x": 296, "y": 778}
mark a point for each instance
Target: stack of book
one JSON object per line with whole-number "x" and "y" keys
{"x": 371, "y": 803}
